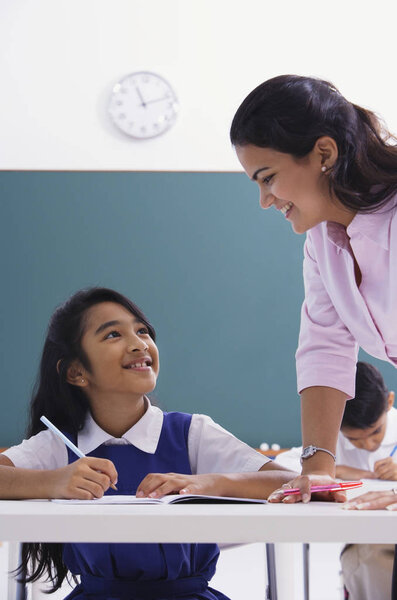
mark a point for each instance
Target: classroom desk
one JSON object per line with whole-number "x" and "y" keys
{"x": 275, "y": 523}
{"x": 41, "y": 520}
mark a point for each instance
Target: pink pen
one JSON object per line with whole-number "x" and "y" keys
{"x": 334, "y": 487}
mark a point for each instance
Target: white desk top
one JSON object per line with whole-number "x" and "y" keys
{"x": 315, "y": 522}
{"x": 45, "y": 521}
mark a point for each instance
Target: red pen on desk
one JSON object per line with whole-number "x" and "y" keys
{"x": 334, "y": 487}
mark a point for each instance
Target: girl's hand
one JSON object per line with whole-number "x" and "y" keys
{"x": 156, "y": 485}
{"x": 374, "y": 501}
{"x": 304, "y": 483}
{"x": 386, "y": 468}
{"x": 84, "y": 479}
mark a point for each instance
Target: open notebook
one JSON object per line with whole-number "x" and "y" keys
{"x": 170, "y": 499}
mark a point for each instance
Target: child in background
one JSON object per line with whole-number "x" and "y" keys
{"x": 365, "y": 450}
{"x": 99, "y": 361}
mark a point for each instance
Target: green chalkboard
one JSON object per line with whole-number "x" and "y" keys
{"x": 219, "y": 278}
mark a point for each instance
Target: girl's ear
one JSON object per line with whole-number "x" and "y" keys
{"x": 390, "y": 400}
{"x": 75, "y": 375}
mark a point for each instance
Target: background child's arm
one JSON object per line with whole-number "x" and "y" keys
{"x": 84, "y": 479}
{"x": 351, "y": 473}
{"x": 386, "y": 468}
{"x": 258, "y": 484}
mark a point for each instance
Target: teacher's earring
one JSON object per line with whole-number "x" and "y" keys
{"x": 323, "y": 168}
{"x": 83, "y": 381}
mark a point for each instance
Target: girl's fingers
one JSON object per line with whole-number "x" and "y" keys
{"x": 148, "y": 484}
{"x": 159, "y": 484}
{"x": 169, "y": 487}
{"x": 105, "y": 466}
{"x": 88, "y": 475}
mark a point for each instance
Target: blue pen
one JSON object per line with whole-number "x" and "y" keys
{"x": 66, "y": 441}
{"x": 393, "y": 451}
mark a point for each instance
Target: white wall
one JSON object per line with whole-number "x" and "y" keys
{"x": 59, "y": 60}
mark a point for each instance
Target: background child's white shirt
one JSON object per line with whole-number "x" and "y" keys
{"x": 211, "y": 448}
{"x": 347, "y": 454}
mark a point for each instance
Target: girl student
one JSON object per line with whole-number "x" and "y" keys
{"x": 330, "y": 169}
{"x": 99, "y": 361}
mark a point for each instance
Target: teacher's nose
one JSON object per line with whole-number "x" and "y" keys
{"x": 266, "y": 200}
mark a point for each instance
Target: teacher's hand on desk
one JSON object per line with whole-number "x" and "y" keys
{"x": 374, "y": 501}
{"x": 322, "y": 410}
{"x": 304, "y": 483}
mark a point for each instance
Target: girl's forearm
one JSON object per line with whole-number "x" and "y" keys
{"x": 259, "y": 484}
{"x": 322, "y": 412}
{"x": 18, "y": 484}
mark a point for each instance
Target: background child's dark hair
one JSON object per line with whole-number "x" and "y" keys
{"x": 370, "y": 401}
{"x": 289, "y": 113}
{"x": 64, "y": 404}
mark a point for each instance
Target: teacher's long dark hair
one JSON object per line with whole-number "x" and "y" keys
{"x": 64, "y": 404}
{"x": 289, "y": 113}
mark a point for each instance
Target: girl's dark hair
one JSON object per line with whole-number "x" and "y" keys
{"x": 370, "y": 401}
{"x": 64, "y": 404}
{"x": 289, "y": 113}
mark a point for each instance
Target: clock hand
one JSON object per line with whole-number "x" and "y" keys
{"x": 158, "y": 100}
{"x": 140, "y": 96}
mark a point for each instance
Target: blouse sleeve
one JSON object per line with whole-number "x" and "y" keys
{"x": 212, "y": 449}
{"x": 42, "y": 451}
{"x": 327, "y": 351}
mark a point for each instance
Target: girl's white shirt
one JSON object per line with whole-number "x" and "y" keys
{"x": 211, "y": 448}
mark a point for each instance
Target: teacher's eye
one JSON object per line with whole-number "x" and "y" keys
{"x": 268, "y": 179}
{"x": 112, "y": 334}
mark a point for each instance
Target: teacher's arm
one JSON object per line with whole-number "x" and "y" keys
{"x": 326, "y": 367}
{"x": 322, "y": 411}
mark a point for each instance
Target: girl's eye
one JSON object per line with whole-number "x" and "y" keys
{"x": 112, "y": 334}
{"x": 143, "y": 330}
{"x": 268, "y": 179}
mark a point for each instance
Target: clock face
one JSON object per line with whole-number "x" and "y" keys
{"x": 143, "y": 105}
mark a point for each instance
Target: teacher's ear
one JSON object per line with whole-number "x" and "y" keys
{"x": 326, "y": 150}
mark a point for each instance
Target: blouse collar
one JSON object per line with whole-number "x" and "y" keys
{"x": 145, "y": 434}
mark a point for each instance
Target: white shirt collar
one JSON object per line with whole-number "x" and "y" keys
{"x": 145, "y": 434}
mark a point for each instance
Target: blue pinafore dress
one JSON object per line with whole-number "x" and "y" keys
{"x": 144, "y": 571}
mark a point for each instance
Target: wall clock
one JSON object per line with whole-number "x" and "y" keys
{"x": 143, "y": 105}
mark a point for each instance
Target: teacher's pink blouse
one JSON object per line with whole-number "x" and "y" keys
{"x": 337, "y": 317}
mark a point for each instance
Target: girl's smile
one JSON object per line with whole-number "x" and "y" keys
{"x": 139, "y": 364}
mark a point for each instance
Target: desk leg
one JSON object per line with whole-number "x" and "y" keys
{"x": 271, "y": 591}
{"x": 16, "y": 591}
{"x": 306, "y": 579}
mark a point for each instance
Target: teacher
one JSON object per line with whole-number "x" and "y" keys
{"x": 331, "y": 170}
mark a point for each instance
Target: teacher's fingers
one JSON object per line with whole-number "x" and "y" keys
{"x": 281, "y": 494}
{"x": 374, "y": 501}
